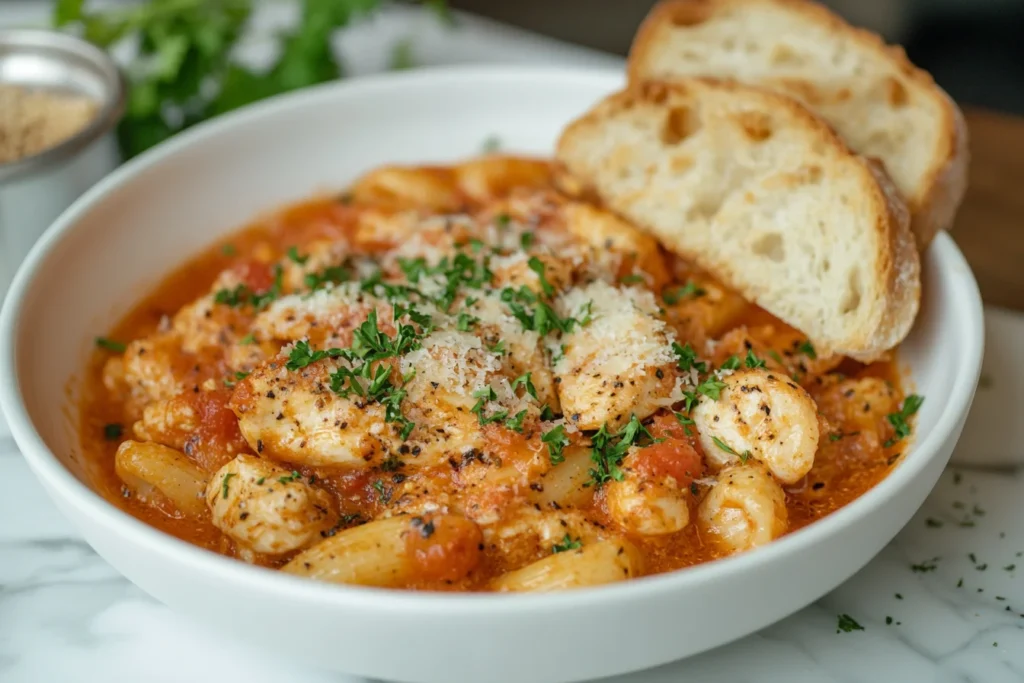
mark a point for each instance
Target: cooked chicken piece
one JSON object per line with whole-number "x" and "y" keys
{"x": 294, "y": 416}
{"x": 617, "y": 364}
{"x": 762, "y": 415}
{"x": 744, "y": 509}
{"x": 266, "y": 508}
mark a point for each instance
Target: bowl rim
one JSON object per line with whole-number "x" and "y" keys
{"x": 63, "y": 484}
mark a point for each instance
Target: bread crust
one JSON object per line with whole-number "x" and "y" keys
{"x": 934, "y": 205}
{"x": 897, "y": 273}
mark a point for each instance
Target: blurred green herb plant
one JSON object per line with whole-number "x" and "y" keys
{"x": 184, "y": 71}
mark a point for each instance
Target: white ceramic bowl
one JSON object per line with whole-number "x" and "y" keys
{"x": 153, "y": 213}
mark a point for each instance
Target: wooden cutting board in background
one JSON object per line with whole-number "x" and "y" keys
{"x": 990, "y": 225}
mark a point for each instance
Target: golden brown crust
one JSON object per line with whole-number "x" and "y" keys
{"x": 934, "y": 207}
{"x": 898, "y": 273}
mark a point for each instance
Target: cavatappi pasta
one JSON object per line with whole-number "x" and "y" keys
{"x": 461, "y": 379}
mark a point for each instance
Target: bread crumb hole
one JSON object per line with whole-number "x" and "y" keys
{"x": 784, "y": 54}
{"x": 680, "y": 123}
{"x": 729, "y": 44}
{"x": 897, "y": 93}
{"x": 770, "y": 246}
{"x": 851, "y": 300}
{"x": 756, "y": 126}
{"x": 680, "y": 164}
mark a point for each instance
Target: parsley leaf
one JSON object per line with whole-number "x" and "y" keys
{"x": 526, "y": 240}
{"x": 568, "y": 543}
{"x": 224, "y": 484}
{"x": 753, "y": 361}
{"x": 807, "y": 349}
{"x": 712, "y": 388}
{"x": 608, "y": 449}
{"x": 898, "y": 420}
{"x": 516, "y": 423}
{"x": 556, "y": 440}
{"x": 538, "y": 267}
{"x": 731, "y": 363}
{"x": 293, "y": 255}
{"x": 466, "y": 322}
{"x": 846, "y": 624}
{"x": 674, "y": 295}
{"x": 110, "y": 345}
{"x": 688, "y": 358}
{"x": 525, "y": 381}
{"x": 112, "y": 431}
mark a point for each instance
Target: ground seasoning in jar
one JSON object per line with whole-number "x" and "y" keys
{"x": 32, "y": 121}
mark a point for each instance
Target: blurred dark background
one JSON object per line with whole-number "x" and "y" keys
{"x": 974, "y": 48}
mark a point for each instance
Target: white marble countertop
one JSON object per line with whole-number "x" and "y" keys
{"x": 943, "y": 602}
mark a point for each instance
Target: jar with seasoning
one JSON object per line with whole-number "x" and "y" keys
{"x": 60, "y": 99}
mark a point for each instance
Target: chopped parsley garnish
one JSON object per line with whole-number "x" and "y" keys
{"x": 724, "y": 446}
{"x": 608, "y": 449}
{"x": 775, "y": 356}
{"x": 926, "y": 566}
{"x": 383, "y": 493}
{"x": 224, "y": 484}
{"x": 898, "y": 420}
{"x": 110, "y": 345}
{"x": 112, "y": 431}
{"x": 807, "y": 349}
{"x": 556, "y": 440}
{"x": 546, "y": 413}
{"x": 730, "y": 363}
{"x": 525, "y": 381}
{"x": 228, "y": 250}
{"x": 753, "y": 361}
{"x": 526, "y": 240}
{"x": 568, "y": 543}
{"x": 466, "y": 322}
{"x": 836, "y": 436}
{"x": 259, "y": 482}
{"x": 293, "y": 255}
{"x": 498, "y": 348}
{"x": 247, "y": 339}
{"x": 392, "y": 463}
{"x": 688, "y": 357}
{"x": 288, "y": 478}
{"x": 502, "y": 220}
{"x": 516, "y": 423}
{"x": 491, "y": 144}
{"x": 236, "y": 377}
{"x": 542, "y": 319}
{"x": 846, "y": 624}
{"x": 685, "y": 422}
{"x": 330, "y": 274}
{"x": 538, "y": 267}
{"x": 676, "y": 294}
{"x": 241, "y": 295}
{"x": 302, "y": 354}
{"x": 711, "y": 387}
{"x": 632, "y": 279}
{"x": 483, "y": 396}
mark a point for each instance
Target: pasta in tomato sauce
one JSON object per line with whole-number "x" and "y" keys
{"x": 461, "y": 378}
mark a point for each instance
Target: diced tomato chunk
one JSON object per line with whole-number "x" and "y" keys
{"x": 257, "y": 276}
{"x": 218, "y": 438}
{"x": 444, "y": 547}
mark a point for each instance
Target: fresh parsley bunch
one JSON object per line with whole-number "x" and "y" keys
{"x": 184, "y": 72}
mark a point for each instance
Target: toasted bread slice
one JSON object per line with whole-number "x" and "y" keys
{"x": 881, "y": 104}
{"x": 752, "y": 187}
